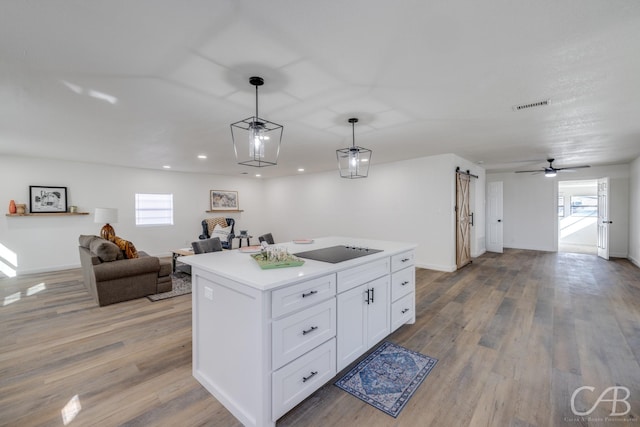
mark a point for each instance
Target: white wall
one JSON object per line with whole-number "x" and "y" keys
{"x": 634, "y": 212}
{"x": 50, "y": 243}
{"x": 410, "y": 201}
{"x": 530, "y": 208}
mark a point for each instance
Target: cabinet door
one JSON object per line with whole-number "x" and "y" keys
{"x": 351, "y": 333}
{"x": 378, "y": 321}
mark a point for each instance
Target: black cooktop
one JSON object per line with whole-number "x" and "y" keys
{"x": 336, "y": 254}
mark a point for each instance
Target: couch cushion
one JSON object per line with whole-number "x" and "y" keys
{"x": 126, "y": 247}
{"x": 104, "y": 249}
{"x": 165, "y": 268}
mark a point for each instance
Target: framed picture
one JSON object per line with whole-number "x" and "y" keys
{"x": 224, "y": 200}
{"x": 47, "y": 199}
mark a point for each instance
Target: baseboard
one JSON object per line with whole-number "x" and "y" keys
{"x": 446, "y": 269}
{"x": 619, "y": 255}
{"x": 634, "y": 261}
{"x": 539, "y": 249}
{"x": 476, "y": 255}
{"x": 47, "y": 269}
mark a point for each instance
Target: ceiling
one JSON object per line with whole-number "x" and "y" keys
{"x": 148, "y": 83}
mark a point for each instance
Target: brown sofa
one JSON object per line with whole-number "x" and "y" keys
{"x": 110, "y": 277}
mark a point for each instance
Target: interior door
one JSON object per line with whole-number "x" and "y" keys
{"x": 463, "y": 220}
{"x": 494, "y": 217}
{"x": 603, "y": 218}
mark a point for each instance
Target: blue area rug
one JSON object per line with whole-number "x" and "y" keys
{"x": 388, "y": 377}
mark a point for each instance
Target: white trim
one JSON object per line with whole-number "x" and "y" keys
{"x": 20, "y": 272}
{"x": 447, "y": 269}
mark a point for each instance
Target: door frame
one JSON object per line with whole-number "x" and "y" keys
{"x": 557, "y": 195}
{"x": 604, "y": 217}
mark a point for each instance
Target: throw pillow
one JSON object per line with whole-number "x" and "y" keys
{"x": 126, "y": 247}
{"x": 85, "y": 240}
{"x": 221, "y": 232}
{"x": 104, "y": 249}
{"x": 211, "y": 223}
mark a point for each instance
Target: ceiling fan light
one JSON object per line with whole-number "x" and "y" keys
{"x": 550, "y": 173}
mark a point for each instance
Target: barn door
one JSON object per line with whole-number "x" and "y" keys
{"x": 463, "y": 220}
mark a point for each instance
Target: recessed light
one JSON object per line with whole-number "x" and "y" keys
{"x": 166, "y": 167}
{"x": 300, "y": 169}
{"x": 258, "y": 175}
{"x": 364, "y": 160}
{"x": 202, "y": 156}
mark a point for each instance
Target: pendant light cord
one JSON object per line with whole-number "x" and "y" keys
{"x": 353, "y": 134}
{"x": 257, "y": 102}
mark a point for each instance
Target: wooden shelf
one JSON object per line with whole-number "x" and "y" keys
{"x": 224, "y": 210}
{"x": 50, "y": 214}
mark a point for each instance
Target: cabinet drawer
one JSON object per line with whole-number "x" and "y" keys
{"x": 294, "y": 382}
{"x": 296, "y": 334}
{"x": 403, "y": 311}
{"x": 403, "y": 282}
{"x": 364, "y": 273}
{"x": 292, "y": 298}
{"x": 400, "y": 261}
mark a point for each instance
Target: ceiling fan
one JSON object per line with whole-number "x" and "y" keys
{"x": 551, "y": 171}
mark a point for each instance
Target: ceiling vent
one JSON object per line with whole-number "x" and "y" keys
{"x": 531, "y": 105}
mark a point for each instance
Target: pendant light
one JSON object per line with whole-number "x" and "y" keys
{"x": 353, "y": 162}
{"x": 262, "y": 137}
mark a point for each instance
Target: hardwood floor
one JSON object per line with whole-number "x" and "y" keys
{"x": 515, "y": 334}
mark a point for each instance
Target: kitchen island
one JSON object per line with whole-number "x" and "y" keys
{"x": 264, "y": 340}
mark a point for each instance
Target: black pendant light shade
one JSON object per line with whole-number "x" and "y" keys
{"x": 354, "y": 161}
{"x": 256, "y": 141}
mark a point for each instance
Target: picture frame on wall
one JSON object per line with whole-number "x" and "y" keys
{"x": 47, "y": 199}
{"x": 222, "y": 200}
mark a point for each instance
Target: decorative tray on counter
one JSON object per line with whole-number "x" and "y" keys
{"x": 267, "y": 264}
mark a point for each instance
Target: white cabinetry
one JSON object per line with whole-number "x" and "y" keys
{"x": 263, "y": 341}
{"x": 363, "y": 318}
{"x": 403, "y": 290}
{"x": 297, "y": 380}
{"x": 303, "y": 341}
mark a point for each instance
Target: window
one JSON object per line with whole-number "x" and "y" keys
{"x": 154, "y": 209}
{"x": 561, "y": 206}
{"x": 584, "y": 205}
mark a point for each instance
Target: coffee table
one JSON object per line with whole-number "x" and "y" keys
{"x": 177, "y": 253}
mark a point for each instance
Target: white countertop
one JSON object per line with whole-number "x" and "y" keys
{"x": 240, "y": 267}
